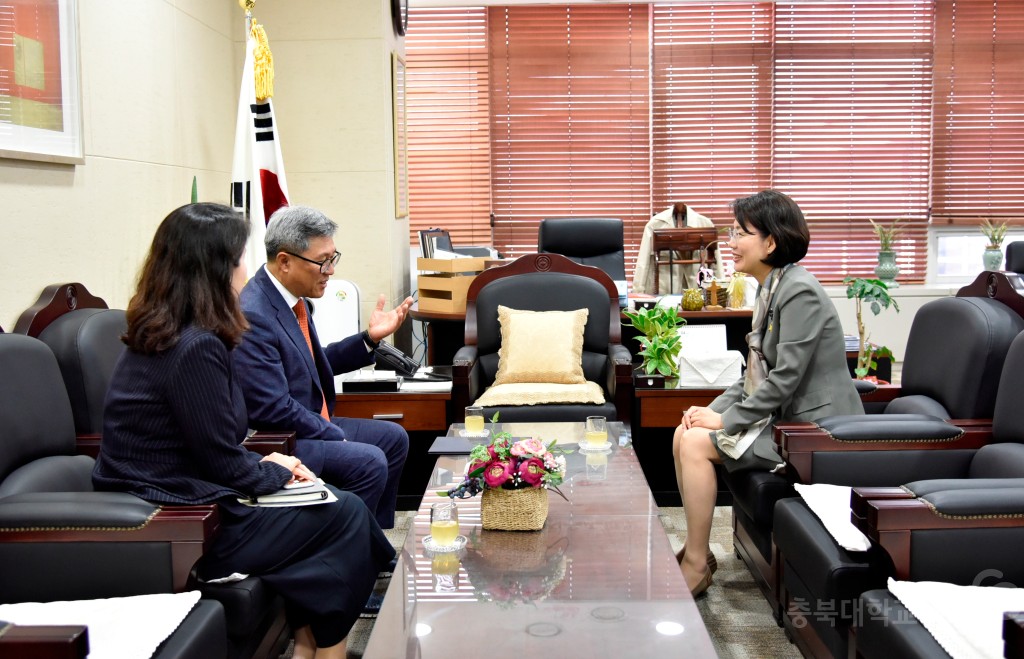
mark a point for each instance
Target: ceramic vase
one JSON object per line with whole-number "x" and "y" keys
{"x": 992, "y": 258}
{"x": 887, "y": 269}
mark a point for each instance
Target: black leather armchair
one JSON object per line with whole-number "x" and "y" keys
{"x": 596, "y": 241}
{"x": 954, "y": 356}
{"x": 61, "y": 540}
{"x": 545, "y": 282}
{"x": 936, "y": 519}
{"x": 85, "y": 338}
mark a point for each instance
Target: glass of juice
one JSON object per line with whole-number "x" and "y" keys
{"x": 444, "y": 524}
{"x": 596, "y": 435}
{"x": 474, "y": 420}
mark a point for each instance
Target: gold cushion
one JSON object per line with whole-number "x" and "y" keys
{"x": 541, "y": 346}
{"x": 526, "y": 393}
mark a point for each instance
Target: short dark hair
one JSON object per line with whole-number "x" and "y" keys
{"x": 186, "y": 279}
{"x": 774, "y": 214}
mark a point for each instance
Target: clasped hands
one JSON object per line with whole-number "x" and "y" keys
{"x": 299, "y": 471}
{"x": 702, "y": 417}
{"x": 384, "y": 323}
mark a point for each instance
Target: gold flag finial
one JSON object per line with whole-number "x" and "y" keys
{"x": 263, "y": 66}
{"x": 247, "y": 5}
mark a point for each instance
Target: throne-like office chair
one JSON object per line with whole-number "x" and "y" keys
{"x": 85, "y": 338}
{"x": 543, "y": 283}
{"x": 981, "y": 455}
{"x": 596, "y": 241}
{"x": 972, "y": 335}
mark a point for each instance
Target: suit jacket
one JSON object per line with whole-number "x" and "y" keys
{"x": 808, "y": 376}
{"x": 173, "y": 426}
{"x": 282, "y": 382}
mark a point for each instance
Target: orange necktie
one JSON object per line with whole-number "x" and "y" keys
{"x": 303, "y": 317}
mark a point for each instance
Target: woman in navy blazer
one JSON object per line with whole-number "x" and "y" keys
{"x": 175, "y": 420}
{"x": 805, "y": 357}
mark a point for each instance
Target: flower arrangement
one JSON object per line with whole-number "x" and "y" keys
{"x": 886, "y": 235}
{"x": 511, "y": 464}
{"x": 995, "y": 233}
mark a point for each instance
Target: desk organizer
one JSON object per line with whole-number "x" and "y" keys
{"x": 443, "y": 283}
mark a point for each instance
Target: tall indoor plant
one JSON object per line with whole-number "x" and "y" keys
{"x": 994, "y": 233}
{"x": 887, "y": 269}
{"x": 659, "y": 343}
{"x": 875, "y": 293}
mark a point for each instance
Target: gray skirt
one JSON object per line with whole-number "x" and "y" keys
{"x": 751, "y": 458}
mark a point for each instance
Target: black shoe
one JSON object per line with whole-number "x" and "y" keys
{"x": 372, "y": 606}
{"x": 387, "y": 571}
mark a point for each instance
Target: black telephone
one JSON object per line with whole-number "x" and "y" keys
{"x": 390, "y": 358}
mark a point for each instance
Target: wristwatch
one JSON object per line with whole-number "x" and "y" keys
{"x": 368, "y": 341}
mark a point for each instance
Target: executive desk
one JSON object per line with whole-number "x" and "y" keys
{"x": 445, "y": 332}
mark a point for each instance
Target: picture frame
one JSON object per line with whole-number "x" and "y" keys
{"x": 401, "y": 136}
{"x": 41, "y": 108}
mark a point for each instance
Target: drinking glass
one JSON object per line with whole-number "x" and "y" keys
{"x": 596, "y": 435}
{"x": 444, "y": 524}
{"x": 474, "y": 420}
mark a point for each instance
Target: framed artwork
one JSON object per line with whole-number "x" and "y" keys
{"x": 401, "y": 136}
{"x": 40, "y": 97}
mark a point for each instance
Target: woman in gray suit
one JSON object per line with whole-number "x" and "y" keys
{"x": 796, "y": 370}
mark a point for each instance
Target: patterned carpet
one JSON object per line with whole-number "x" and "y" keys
{"x": 737, "y": 617}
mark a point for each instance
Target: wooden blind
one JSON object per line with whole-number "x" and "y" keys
{"x": 979, "y": 112}
{"x": 449, "y": 124}
{"x": 569, "y": 119}
{"x": 851, "y": 138}
{"x": 711, "y": 105}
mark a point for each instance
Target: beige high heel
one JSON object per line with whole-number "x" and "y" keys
{"x": 712, "y": 561}
{"x": 703, "y": 585}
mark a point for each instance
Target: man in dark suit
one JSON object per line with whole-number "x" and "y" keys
{"x": 288, "y": 377}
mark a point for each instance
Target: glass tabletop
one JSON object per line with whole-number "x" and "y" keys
{"x": 599, "y": 579}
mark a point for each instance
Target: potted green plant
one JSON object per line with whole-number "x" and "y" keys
{"x": 994, "y": 233}
{"x": 659, "y": 343}
{"x": 887, "y": 269}
{"x": 875, "y": 293}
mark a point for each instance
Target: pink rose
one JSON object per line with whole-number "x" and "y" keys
{"x": 531, "y": 471}
{"x": 526, "y": 447}
{"x": 497, "y": 474}
{"x": 476, "y": 464}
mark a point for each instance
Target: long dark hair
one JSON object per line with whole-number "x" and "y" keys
{"x": 186, "y": 279}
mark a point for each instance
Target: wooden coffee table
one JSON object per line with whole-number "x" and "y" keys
{"x": 599, "y": 580}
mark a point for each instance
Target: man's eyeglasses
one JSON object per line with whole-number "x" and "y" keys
{"x": 735, "y": 234}
{"x": 326, "y": 264}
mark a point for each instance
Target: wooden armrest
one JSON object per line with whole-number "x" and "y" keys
{"x": 44, "y": 642}
{"x": 88, "y": 445}
{"x": 861, "y": 496}
{"x": 188, "y": 529}
{"x": 890, "y": 522}
{"x": 266, "y": 442}
{"x": 799, "y": 442}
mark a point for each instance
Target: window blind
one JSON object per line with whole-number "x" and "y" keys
{"x": 569, "y": 119}
{"x": 979, "y": 112}
{"x": 851, "y": 139}
{"x": 448, "y": 116}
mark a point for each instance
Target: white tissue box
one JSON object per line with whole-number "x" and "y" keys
{"x": 704, "y": 370}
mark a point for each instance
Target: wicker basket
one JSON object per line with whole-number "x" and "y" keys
{"x": 525, "y": 509}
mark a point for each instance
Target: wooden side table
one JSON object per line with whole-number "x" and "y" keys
{"x": 423, "y": 415}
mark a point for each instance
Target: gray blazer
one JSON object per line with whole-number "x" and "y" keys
{"x": 808, "y": 377}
